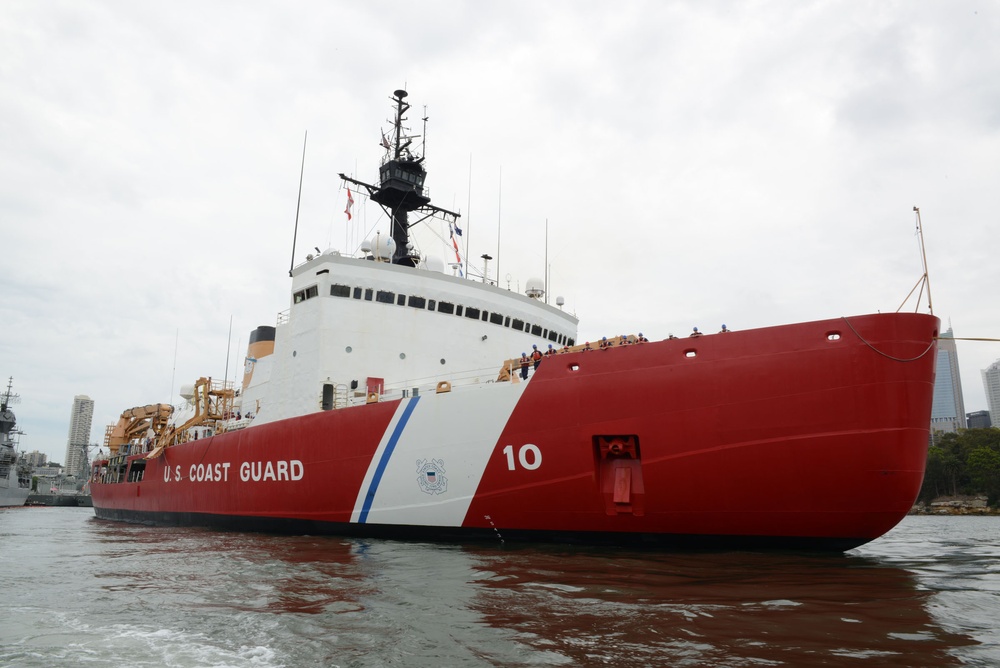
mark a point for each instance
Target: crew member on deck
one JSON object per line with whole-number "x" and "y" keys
{"x": 551, "y": 351}
{"x": 724, "y": 330}
{"x": 695, "y": 332}
{"x": 536, "y": 356}
{"x": 525, "y": 363}
{"x": 604, "y": 343}
{"x": 642, "y": 339}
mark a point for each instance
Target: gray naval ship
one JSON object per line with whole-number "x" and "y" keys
{"x": 15, "y": 475}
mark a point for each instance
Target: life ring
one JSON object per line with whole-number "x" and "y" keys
{"x": 372, "y": 398}
{"x": 443, "y": 386}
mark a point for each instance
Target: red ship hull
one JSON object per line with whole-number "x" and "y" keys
{"x": 809, "y": 435}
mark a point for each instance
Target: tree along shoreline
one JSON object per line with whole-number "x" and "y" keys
{"x": 962, "y": 465}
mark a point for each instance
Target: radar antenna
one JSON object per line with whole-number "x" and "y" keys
{"x": 401, "y": 185}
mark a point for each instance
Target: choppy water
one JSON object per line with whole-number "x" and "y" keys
{"x": 79, "y": 591}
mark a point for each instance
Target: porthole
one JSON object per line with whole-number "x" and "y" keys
{"x": 294, "y": 353}
{"x": 348, "y": 349}
{"x": 442, "y": 360}
{"x": 402, "y": 356}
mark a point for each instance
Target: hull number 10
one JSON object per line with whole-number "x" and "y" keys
{"x": 528, "y": 456}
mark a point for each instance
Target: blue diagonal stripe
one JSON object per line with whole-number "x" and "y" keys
{"x": 384, "y": 461}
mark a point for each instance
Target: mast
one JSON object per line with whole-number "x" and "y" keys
{"x": 923, "y": 258}
{"x": 401, "y": 185}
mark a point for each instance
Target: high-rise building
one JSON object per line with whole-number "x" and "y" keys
{"x": 79, "y": 435}
{"x": 36, "y": 458}
{"x": 948, "y": 409}
{"x": 991, "y": 383}
{"x": 978, "y": 420}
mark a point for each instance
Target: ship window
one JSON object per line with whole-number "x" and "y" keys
{"x": 338, "y": 290}
{"x": 385, "y": 297}
{"x": 322, "y": 271}
{"x": 486, "y": 315}
{"x": 300, "y": 296}
{"x": 312, "y": 291}
{"x": 458, "y": 310}
{"x": 553, "y": 336}
{"x": 472, "y": 313}
{"x": 506, "y": 321}
{"x": 368, "y": 294}
{"x": 496, "y": 318}
{"x": 431, "y": 304}
{"x": 446, "y": 307}
{"x": 418, "y": 302}
{"x": 536, "y": 330}
{"x": 400, "y": 300}
{"x": 570, "y": 342}
{"x": 357, "y": 293}
{"x": 517, "y": 324}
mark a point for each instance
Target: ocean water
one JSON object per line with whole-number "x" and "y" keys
{"x": 77, "y": 591}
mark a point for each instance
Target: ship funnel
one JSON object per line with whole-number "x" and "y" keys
{"x": 261, "y": 345}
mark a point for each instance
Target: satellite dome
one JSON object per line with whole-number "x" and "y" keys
{"x": 535, "y": 288}
{"x": 384, "y": 249}
{"x": 434, "y": 263}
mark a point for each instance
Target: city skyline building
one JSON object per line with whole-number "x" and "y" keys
{"x": 948, "y": 409}
{"x": 36, "y": 458}
{"x": 991, "y": 383}
{"x": 978, "y": 420}
{"x": 79, "y": 435}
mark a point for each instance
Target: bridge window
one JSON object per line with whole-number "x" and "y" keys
{"x": 338, "y": 290}
{"x": 417, "y": 302}
{"x": 446, "y": 307}
{"x": 385, "y": 297}
{"x": 472, "y": 313}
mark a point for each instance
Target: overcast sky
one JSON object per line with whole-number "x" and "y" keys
{"x": 698, "y": 163}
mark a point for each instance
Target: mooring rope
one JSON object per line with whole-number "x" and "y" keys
{"x": 886, "y": 355}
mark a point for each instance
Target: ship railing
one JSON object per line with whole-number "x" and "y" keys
{"x": 429, "y": 385}
{"x": 283, "y": 317}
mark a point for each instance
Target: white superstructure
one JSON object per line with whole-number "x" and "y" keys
{"x": 359, "y": 326}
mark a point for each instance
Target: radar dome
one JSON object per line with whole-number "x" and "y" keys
{"x": 434, "y": 263}
{"x": 382, "y": 248}
{"x": 535, "y": 288}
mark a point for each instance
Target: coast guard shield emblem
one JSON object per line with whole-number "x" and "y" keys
{"x": 430, "y": 476}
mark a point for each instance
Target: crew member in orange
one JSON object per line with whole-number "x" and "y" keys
{"x": 525, "y": 363}
{"x": 551, "y": 351}
{"x": 536, "y": 356}
{"x": 695, "y": 332}
{"x": 604, "y": 343}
